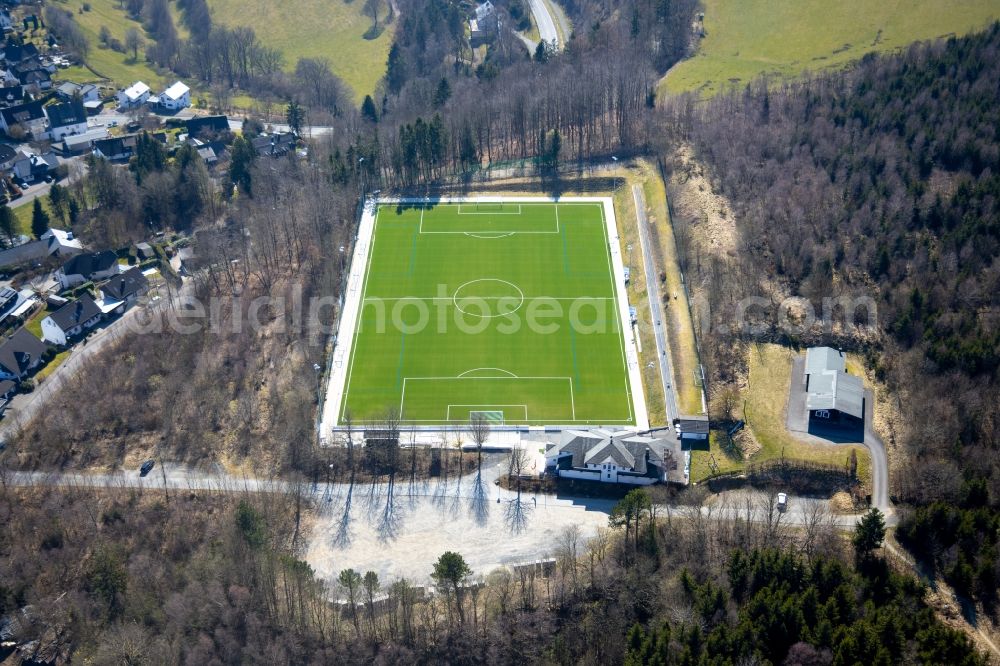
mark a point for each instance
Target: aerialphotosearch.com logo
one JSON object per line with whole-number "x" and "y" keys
{"x": 484, "y": 305}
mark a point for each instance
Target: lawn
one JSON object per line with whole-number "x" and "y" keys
{"x": 334, "y": 30}
{"x": 747, "y": 38}
{"x": 119, "y": 67}
{"x": 51, "y": 366}
{"x": 765, "y": 399}
{"x": 507, "y": 311}
{"x": 34, "y": 323}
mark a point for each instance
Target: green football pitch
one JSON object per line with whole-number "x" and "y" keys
{"x": 506, "y": 310}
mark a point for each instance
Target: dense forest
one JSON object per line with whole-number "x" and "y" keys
{"x": 882, "y": 181}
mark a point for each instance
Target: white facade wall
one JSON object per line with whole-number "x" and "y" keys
{"x": 52, "y": 333}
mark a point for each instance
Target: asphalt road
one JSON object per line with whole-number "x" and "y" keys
{"x": 655, "y": 305}
{"x": 403, "y": 532}
{"x": 546, "y": 26}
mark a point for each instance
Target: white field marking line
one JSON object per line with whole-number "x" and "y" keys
{"x": 506, "y": 232}
{"x": 478, "y": 369}
{"x": 572, "y": 398}
{"x": 621, "y": 329}
{"x": 448, "y": 412}
{"x": 357, "y": 325}
{"x": 490, "y": 212}
{"x": 500, "y": 235}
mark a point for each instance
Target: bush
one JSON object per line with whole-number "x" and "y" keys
{"x": 27, "y": 386}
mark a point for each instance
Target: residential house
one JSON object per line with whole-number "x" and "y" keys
{"x": 77, "y": 144}
{"x": 84, "y": 267}
{"x": 62, "y": 243}
{"x": 16, "y": 53}
{"x": 7, "y": 156}
{"x": 614, "y": 457}
{"x": 176, "y": 97}
{"x": 207, "y": 126}
{"x": 71, "y": 320}
{"x": 144, "y": 251}
{"x": 20, "y": 354}
{"x": 8, "y": 300}
{"x": 33, "y": 73}
{"x": 122, "y": 291}
{"x": 87, "y": 92}
{"x": 29, "y": 166}
{"x": 12, "y": 94}
{"x": 832, "y": 393}
{"x": 7, "y": 389}
{"x": 30, "y": 115}
{"x": 274, "y": 145}
{"x": 135, "y": 95}
{"x": 116, "y": 148}
{"x": 17, "y": 306}
{"x": 66, "y": 119}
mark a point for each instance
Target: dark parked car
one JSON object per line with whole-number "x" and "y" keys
{"x": 146, "y": 467}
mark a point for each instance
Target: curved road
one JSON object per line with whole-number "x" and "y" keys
{"x": 546, "y": 26}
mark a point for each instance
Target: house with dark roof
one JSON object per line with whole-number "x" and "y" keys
{"x": 39, "y": 78}
{"x": 12, "y": 95}
{"x": 274, "y": 145}
{"x": 15, "y": 53}
{"x": 20, "y": 354}
{"x": 71, "y": 320}
{"x": 693, "y": 432}
{"x": 116, "y": 148}
{"x": 29, "y": 166}
{"x": 84, "y": 267}
{"x": 30, "y": 115}
{"x": 7, "y": 387}
{"x": 832, "y": 393}
{"x": 123, "y": 290}
{"x": 66, "y": 119}
{"x": 7, "y": 156}
{"x": 614, "y": 457}
{"x": 207, "y": 126}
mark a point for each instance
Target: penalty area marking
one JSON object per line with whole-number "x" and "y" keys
{"x": 508, "y": 373}
{"x": 402, "y": 396}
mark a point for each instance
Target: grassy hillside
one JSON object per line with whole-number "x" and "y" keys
{"x": 746, "y": 38}
{"x": 316, "y": 29}
{"x": 116, "y": 66}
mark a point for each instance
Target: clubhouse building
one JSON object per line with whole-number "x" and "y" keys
{"x": 615, "y": 457}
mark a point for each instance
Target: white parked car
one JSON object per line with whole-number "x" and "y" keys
{"x": 782, "y": 502}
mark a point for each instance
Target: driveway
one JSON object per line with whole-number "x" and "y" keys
{"x": 797, "y": 421}
{"x": 655, "y": 305}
